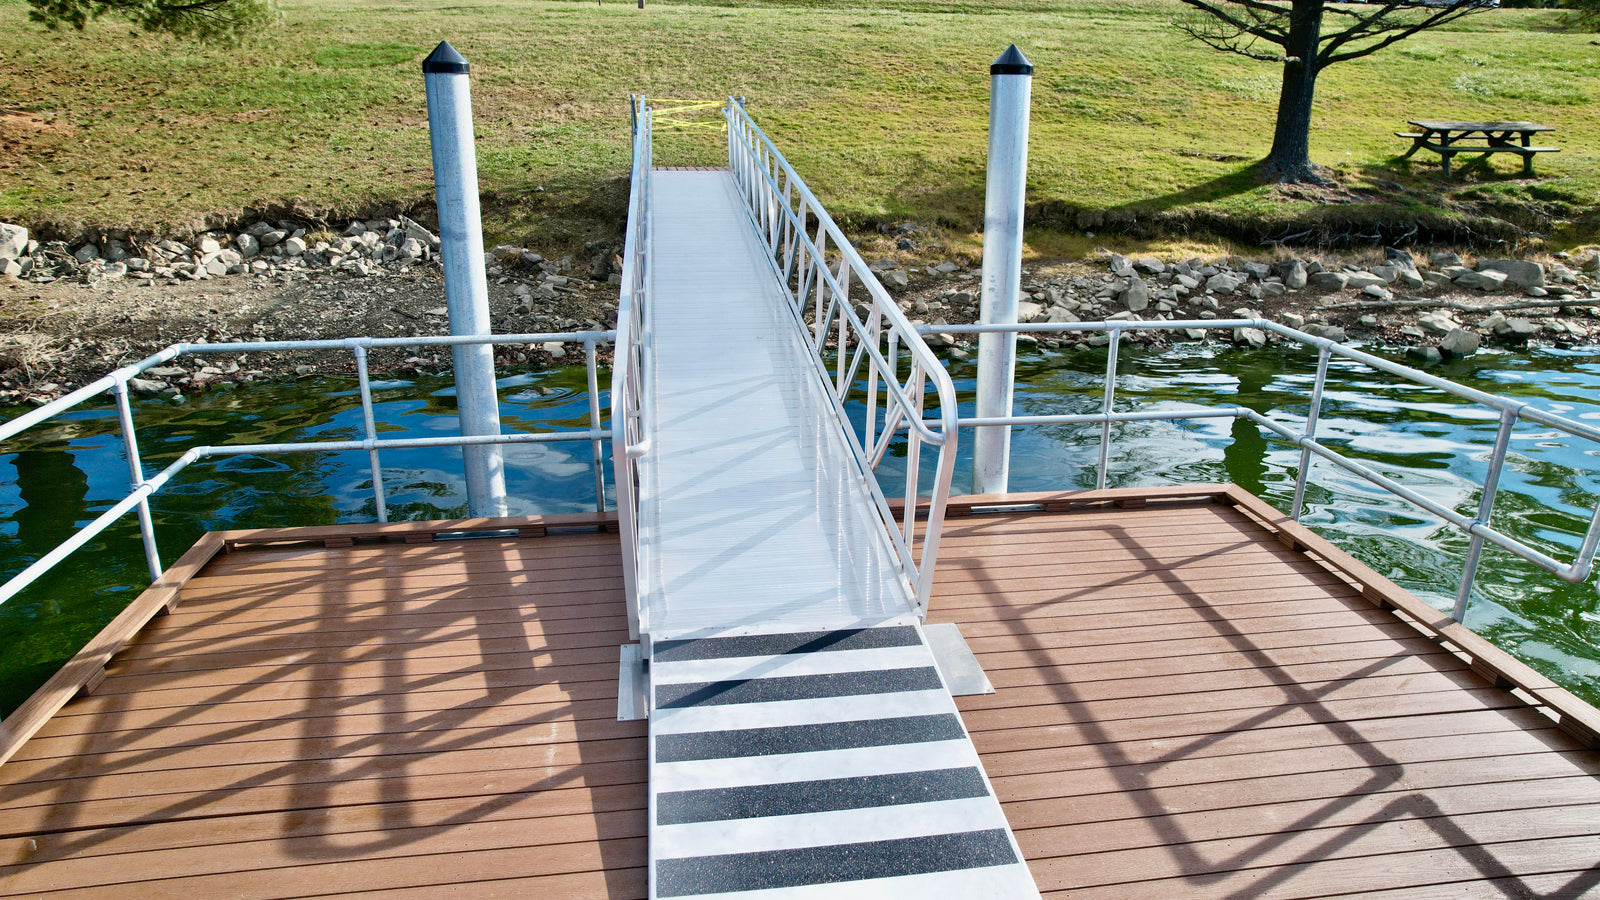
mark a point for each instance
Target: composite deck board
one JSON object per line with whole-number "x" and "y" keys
{"x": 1206, "y": 717}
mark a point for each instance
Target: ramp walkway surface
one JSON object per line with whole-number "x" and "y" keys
{"x": 752, "y": 507}
{"x": 802, "y": 740}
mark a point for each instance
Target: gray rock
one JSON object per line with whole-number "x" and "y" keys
{"x": 1439, "y": 323}
{"x": 1121, "y": 266}
{"x": 1413, "y": 332}
{"x": 1254, "y": 338}
{"x": 114, "y": 271}
{"x": 1425, "y": 355}
{"x": 11, "y": 268}
{"x": 1137, "y": 297}
{"x": 247, "y": 244}
{"x": 1536, "y": 292}
{"x": 1294, "y": 274}
{"x": 147, "y": 387}
{"x": 1368, "y": 321}
{"x": 895, "y": 279}
{"x": 556, "y": 349}
{"x": 411, "y": 248}
{"x": 86, "y": 253}
{"x": 1027, "y": 311}
{"x": 1516, "y": 329}
{"x": 13, "y": 241}
{"x": 1187, "y": 282}
{"x": 272, "y": 237}
{"x": 216, "y": 267}
{"x": 1293, "y": 320}
{"x": 1377, "y": 292}
{"x": 1358, "y": 281}
{"x": 1519, "y": 273}
{"x": 1487, "y": 280}
{"x": 1270, "y": 289}
{"x": 1149, "y": 265}
{"x": 1444, "y": 260}
{"x": 166, "y": 371}
{"x": 1194, "y": 334}
{"x": 946, "y": 268}
{"x": 294, "y": 246}
{"x": 1329, "y": 281}
{"x": 1459, "y": 343}
{"x": 422, "y": 235}
{"x": 1409, "y": 278}
{"x": 1389, "y": 274}
{"x": 1224, "y": 283}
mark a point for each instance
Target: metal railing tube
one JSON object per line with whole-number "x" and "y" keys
{"x": 1491, "y": 486}
{"x": 101, "y": 522}
{"x": 1105, "y": 409}
{"x": 56, "y": 407}
{"x": 1312, "y": 412}
{"x": 130, "y": 449}
{"x": 370, "y": 426}
{"x": 594, "y": 425}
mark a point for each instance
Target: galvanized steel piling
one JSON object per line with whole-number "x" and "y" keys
{"x": 1010, "y": 87}
{"x": 455, "y": 181}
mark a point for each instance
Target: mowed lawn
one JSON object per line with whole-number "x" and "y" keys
{"x": 881, "y": 105}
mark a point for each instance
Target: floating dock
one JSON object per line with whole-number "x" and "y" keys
{"x": 1193, "y": 698}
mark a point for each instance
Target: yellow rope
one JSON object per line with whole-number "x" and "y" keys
{"x": 667, "y": 117}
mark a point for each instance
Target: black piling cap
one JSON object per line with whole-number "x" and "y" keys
{"x": 1011, "y": 62}
{"x": 445, "y": 60}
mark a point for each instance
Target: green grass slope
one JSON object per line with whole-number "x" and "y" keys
{"x": 881, "y": 105}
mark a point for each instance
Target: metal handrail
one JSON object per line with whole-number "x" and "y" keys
{"x": 783, "y": 216}
{"x": 632, "y": 367}
{"x": 1511, "y": 411}
{"x": 141, "y": 488}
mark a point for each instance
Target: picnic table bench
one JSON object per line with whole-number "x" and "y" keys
{"x": 1449, "y": 138}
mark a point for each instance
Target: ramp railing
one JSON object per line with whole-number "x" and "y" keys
{"x": 631, "y": 381}
{"x": 816, "y": 265}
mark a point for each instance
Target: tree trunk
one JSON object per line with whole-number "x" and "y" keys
{"x": 1290, "y": 159}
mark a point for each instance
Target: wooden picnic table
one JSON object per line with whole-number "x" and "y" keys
{"x": 1449, "y": 138}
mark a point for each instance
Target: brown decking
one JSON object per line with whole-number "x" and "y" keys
{"x": 1186, "y": 707}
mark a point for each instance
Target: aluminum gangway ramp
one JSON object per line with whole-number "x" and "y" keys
{"x": 803, "y": 742}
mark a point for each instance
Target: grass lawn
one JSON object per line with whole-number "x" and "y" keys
{"x": 881, "y": 104}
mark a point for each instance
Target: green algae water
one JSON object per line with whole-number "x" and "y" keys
{"x": 60, "y": 475}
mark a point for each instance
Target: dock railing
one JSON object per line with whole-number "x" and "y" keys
{"x": 1304, "y": 434}
{"x": 816, "y": 263}
{"x": 631, "y": 382}
{"x": 141, "y": 488}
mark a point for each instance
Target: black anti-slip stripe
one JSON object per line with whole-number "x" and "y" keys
{"x": 795, "y": 687}
{"x": 833, "y": 864}
{"x": 807, "y": 738}
{"x": 784, "y": 644}
{"x": 798, "y": 797}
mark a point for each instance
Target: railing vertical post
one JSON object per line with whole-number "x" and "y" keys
{"x": 369, "y": 423}
{"x": 594, "y": 425}
{"x": 1310, "y": 434}
{"x": 1010, "y": 86}
{"x": 1105, "y": 407}
{"x": 455, "y": 180}
{"x": 130, "y": 445}
{"x": 1491, "y": 486}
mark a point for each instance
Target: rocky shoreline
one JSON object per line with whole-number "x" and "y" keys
{"x": 69, "y": 313}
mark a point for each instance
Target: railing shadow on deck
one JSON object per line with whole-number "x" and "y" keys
{"x": 374, "y": 779}
{"x": 1303, "y": 705}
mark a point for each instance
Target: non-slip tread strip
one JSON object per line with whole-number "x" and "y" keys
{"x": 780, "y": 739}
{"x": 825, "y": 795}
{"x": 784, "y": 644}
{"x": 796, "y": 687}
{"x": 833, "y": 864}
